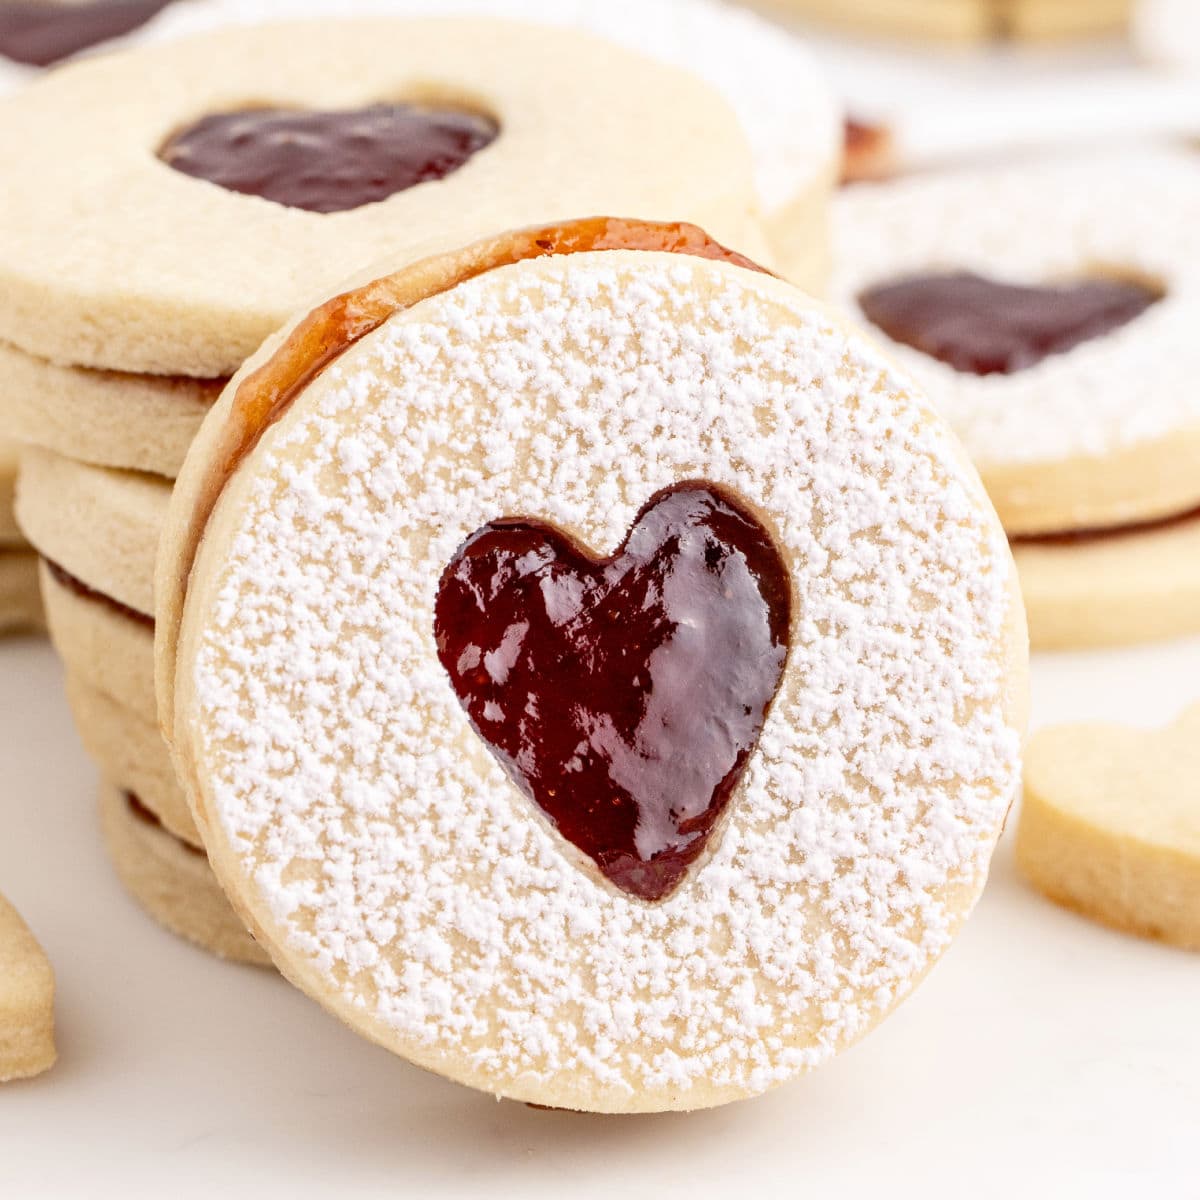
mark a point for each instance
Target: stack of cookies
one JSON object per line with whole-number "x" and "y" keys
{"x": 1050, "y": 310}
{"x": 215, "y": 184}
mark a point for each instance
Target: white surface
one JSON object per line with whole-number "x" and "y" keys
{"x": 1043, "y": 1049}
{"x": 1044, "y": 1056}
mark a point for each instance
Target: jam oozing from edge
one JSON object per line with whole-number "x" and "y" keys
{"x": 623, "y": 695}
{"x": 42, "y": 34}
{"x": 1091, "y": 534}
{"x": 327, "y": 162}
{"x": 74, "y": 584}
{"x": 982, "y": 327}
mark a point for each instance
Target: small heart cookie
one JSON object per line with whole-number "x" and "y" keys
{"x": 26, "y": 1000}
{"x": 1111, "y": 825}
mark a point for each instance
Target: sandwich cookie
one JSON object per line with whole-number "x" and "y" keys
{"x": 171, "y": 880}
{"x": 417, "y": 127}
{"x": 1050, "y": 314}
{"x": 26, "y": 1000}
{"x": 793, "y": 129}
{"x": 1110, "y": 825}
{"x": 607, "y": 779}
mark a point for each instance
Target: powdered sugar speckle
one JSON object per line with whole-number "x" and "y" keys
{"x": 388, "y": 849}
{"x": 1132, "y": 213}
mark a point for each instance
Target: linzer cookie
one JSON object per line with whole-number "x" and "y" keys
{"x": 793, "y": 131}
{"x": 596, "y": 675}
{"x": 186, "y": 275}
{"x": 1051, "y": 317}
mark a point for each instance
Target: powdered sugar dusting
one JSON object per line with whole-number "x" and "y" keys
{"x": 1131, "y": 213}
{"x": 388, "y": 848}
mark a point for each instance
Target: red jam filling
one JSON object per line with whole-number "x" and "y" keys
{"x": 623, "y": 695}
{"x": 982, "y": 327}
{"x": 76, "y": 585}
{"x": 867, "y": 151}
{"x": 328, "y": 162}
{"x": 42, "y": 34}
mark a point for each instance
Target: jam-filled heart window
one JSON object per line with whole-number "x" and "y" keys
{"x": 40, "y": 33}
{"x": 327, "y": 162}
{"x": 984, "y": 327}
{"x": 623, "y": 695}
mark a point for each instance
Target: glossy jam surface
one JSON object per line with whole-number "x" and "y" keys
{"x": 42, "y": 34}
{"x": 622, "y": 695}
{"x": 327, "y": 162}
{"x": 73, "y": 584}
{"x": 982, "y": 327}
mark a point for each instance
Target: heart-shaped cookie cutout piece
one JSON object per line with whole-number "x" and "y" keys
{"x": 622, "y": 695}
{"x": 985, "y": 327}
{"x": 1110, "y": 825}
{"x": 26, "y": 1000}
{"x": 327, "y": 162}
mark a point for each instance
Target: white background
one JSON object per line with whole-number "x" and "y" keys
{"x": 1044, "y": 1056}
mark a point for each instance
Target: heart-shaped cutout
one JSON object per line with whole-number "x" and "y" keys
{"x": 623, "y": 695}
{"x": 328, "y": 161}
{"x": 982, "y": 327}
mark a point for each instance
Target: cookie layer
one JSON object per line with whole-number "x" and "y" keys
{"x": 100, "y": 525}
{"x": 125, "y": 746}
{"x": 183, "y": 277}
{"x": 110, "y": 418}
{"x": 172, "y": 882}
{"x": 1109, "y": 432}
{"x": 456, "y": 928}
{"x": 26, "y": 1000}
{"x": 794, "y": 132}
{"x": 1142, "y": 585}
{"x": 1111, "y": 825}
{"x": 102, "y": 645}
{"x": 10, "y": 532}
{"x": 20, "y": 604}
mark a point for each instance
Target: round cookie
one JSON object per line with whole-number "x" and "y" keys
{"x": 110, "y": 418}
{"x": 1114, "y": 589}
{"x": 1104, "y": 434}
{"x": 125, "y": 746}
{"x": 20, "y": 604}
{"x": 187, "y": 277}
{"x": 794, "y": 131}
{"x": 1168, "y": 31}
{"x": 172, "y": 881}
{"x": 473, "y": 921}
{"x": 101, "y": 526}
{"x": 26, "y": 1000}
{"x": 1110, "y": 825}
{"x": 110, "y": 649}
